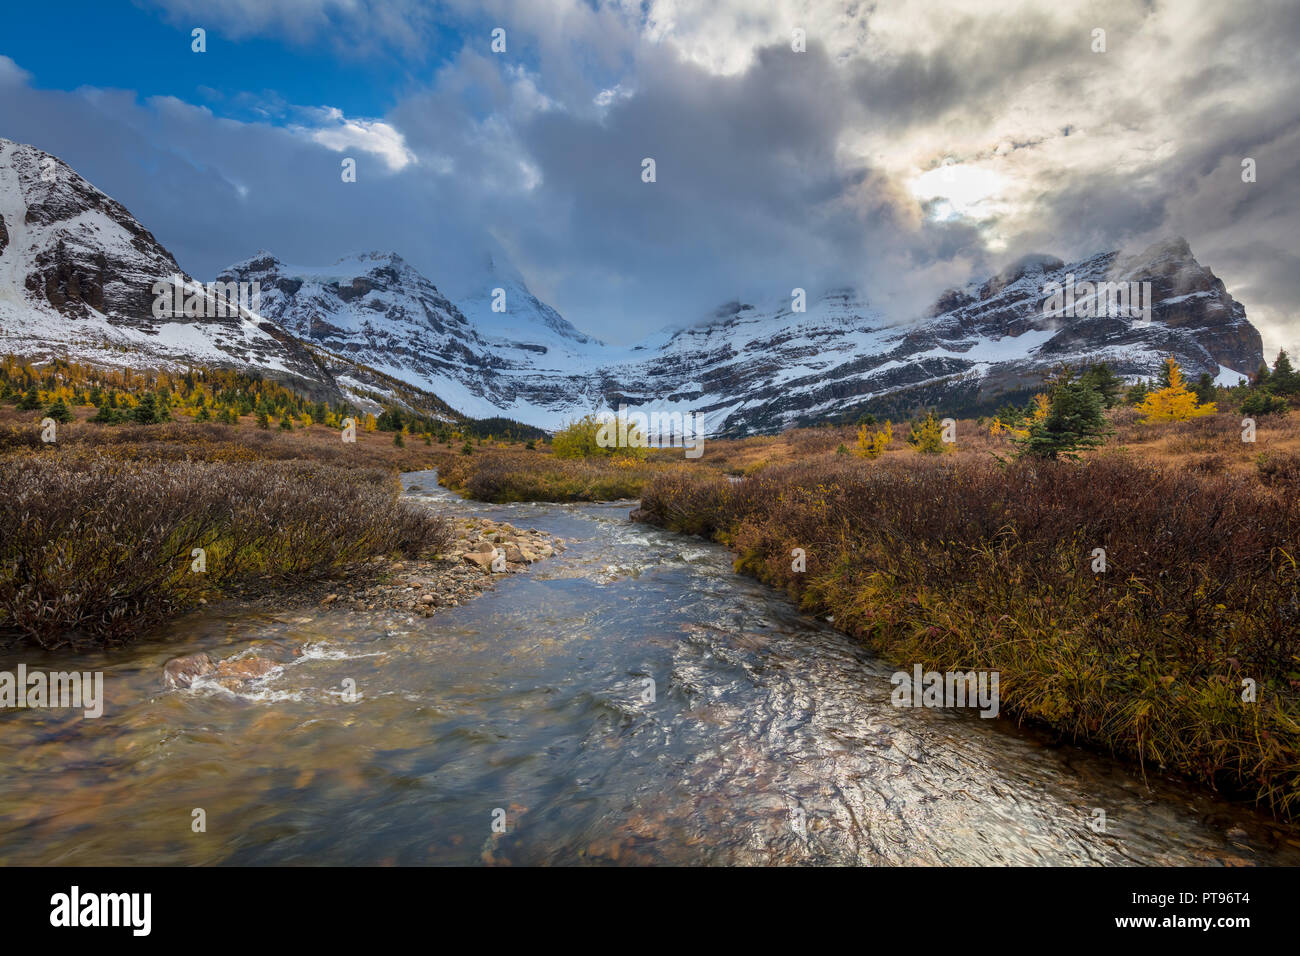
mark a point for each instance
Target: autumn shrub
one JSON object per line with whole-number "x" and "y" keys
{"x": 93, "y": 548}
{"x": 505, "y": 475}
{"x": 964, "y": 564}
{"x": 1208, "y": 464}
{"x": 1281, "y": 472}
{"x": 597, "y": 437}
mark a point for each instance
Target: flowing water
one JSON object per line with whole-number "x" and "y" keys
{"x": 765, "y": 737}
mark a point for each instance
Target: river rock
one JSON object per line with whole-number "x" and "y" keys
{"x": 183, "y": 671}
{"x": 246, "y": 668}
{"x": 480, "y": 559}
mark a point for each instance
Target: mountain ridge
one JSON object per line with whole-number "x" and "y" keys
{"x": 76, "y": 270}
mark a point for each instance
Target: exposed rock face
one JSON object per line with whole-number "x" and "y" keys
{"x": 1192, "y": 317}
{"x": 77, "y": 276}
{"x": 378, "y": 312}
{"x": 372, "y": 309}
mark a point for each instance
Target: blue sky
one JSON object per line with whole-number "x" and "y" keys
{"x": 129, "y": 46}
{"x": 905, "y": 149}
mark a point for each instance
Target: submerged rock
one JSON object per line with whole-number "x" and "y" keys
{"x": 246, "y": 668}
{"x": 183, "y": 671}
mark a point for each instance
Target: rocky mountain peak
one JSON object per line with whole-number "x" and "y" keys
{"x": 78, "y": 276}
{"x": 76, "y": 273}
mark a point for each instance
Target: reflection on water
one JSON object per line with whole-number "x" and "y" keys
{"x": 628, "y": 701}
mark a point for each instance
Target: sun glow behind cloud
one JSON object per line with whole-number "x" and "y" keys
{"x": 959, "y": 190}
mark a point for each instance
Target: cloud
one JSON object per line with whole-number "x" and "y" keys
{"x": 775, "y": 168}
{"x": 11, "y": 74}
{"x": 341, "y": 134}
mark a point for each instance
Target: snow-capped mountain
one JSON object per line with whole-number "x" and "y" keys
{"x": 525, "y": 362}
{"x": 747, "y": 368}
{"x": 753, "y": 368}
{"x": 77, "y": 277}
{"x": 77, "y": 273}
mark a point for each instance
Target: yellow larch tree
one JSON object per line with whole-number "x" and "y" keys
{"x": 1176, "y": 403}
{"x": 874, "y": 445}
{"x": 1042, "y": 406}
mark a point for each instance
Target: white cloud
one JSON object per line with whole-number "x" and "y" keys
{"x": 373, "y": 136}
{"x": 12, "y": 73}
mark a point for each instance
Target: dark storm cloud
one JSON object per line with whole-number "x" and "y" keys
{"x": 751, "y": 192}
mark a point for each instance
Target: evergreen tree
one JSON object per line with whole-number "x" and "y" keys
{"x": 1205, "y": 393}
{"x": 1101, "y": 379}
{"x": 1284, "y": 380}
{"x": 1011, "y": 415}
{"x": 149, "y": 412}
{"x": 1074, "y": 421}
{"x": 389, "y": 420}
{"x": 1137, "y": 393}
{"x": 1262, "y": 401}
{"x": 30, "y": 401}
{"x": 263, "y": 419}
{"x": 59, "y": 411}
{"x": 286, "y": 423}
